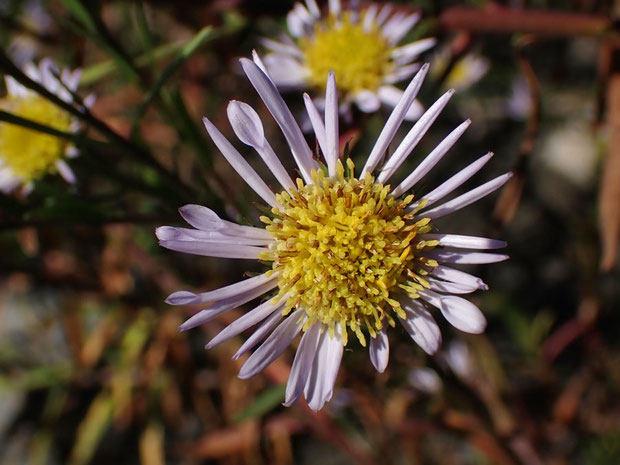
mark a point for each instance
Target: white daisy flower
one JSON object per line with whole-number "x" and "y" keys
{"x": 360, "y": 45}
{"x": 349, "y": 254}
{"x": 26, "y": 154}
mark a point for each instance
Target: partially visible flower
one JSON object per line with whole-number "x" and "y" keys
{"x": 425, "y": 380}
{"x": 24, "y": 46}
{"x": 26, "y": 154}
{"x": 359, "y": 45}
{"x": 349, "y": 254}
{"x": 467, "y": 70}
{"x": 459, "y": 360}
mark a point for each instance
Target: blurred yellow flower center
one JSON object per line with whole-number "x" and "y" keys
{"x": 31, "y": 154}
{"x": 343, "y": 246}
{"x": 359, "y": 58}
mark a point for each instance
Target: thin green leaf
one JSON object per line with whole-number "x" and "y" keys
{"x": 81, "y": 13}
{"x": 145, "y": 32}
{"x": 91, "y": 430}
{"x": 264, "y": 403}
{"x": 199, "y": 39}
{"x": 96, "y": 31}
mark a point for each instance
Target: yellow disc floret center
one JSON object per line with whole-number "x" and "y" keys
{"x": 343, "y": 247}
{"x": 360, "y": 58}
{"x": 31, "y": 154}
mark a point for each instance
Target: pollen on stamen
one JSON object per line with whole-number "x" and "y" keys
{"x": 344, "y": 249}
{"x": 360, "y": 58}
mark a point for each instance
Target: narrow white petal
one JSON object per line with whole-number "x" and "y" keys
{"x": 465, "y": 258}
{"x": 286, "y": 72}
{"x": 407, "y": 53}
{"x": 390, "y": 96}
{"x": 431, "y": 160}
{"x": 379, "y": 350}
{"x": 413, "y": 137}
{"x": 65, "y": 171}
{"x": 89, "y": 100}
{"x": 210, "y": 249}
{"x": 354, "y": 11}
{"x": 367, "y": 101}
{"x": 335, "y": 8}
{"x": 317, "y": 122}
{"x": 232, "y": 290}
{"x": 171, "y": 233}
{"x": 239, "y": 164}
{"x": 204, "y": 218}
{"x": 400, "y": 73}
{"x": 450, "y": 288}
{"x": 295, "y": 24}
{"x": 249, "y": 129}
{"x": 464, "y": 242}
{"x": 384, "y": 13}
{"x": 458, "y": 277}
{"x": 302, "y": 364}
{"x": 246, "y": 123}
{"x": 258, "y": 62}
{"x": 460, "y": 360}
{"x": 32, "y": 71}
{"x": 304, "y": 13}
{"x": 425, "y": 379}
{"x": 468, "y": 198}
{"x": 369, "y": 17}
{"x": 454, "y": 182}
{"x": 8, "y": 181}
{"x": 394, "y": 121}
{"x": 391, "y": 22}
{"x": 281, "y": 48}
{"x": 247, "y": 320}
{"x": 459, "y": 312}
{"x": 27, "y": 188}
{"x": 47, "y": 70}
{"x": 72, "y": 152}
{"x": 395, "y": 29}
{"x": 331, "y": 124}
{"x": 421, "y": 325}
{"x": 225, "y": 305}
{"x": 14, "y": 88}
{"x": 273, "y": 346}
{"x": 72, "y": 79}
{"x": 299, "y": 21}
{"x": 320, "y": 384}
{"x": 259, "y": 334}
{"x": 283, "y": 116}
{"x": 313, "y": 8}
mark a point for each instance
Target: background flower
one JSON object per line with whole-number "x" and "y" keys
{"x": 359, "y": 44}
{"x": 25, "y": 154}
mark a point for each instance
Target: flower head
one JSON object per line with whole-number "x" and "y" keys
{"x": 359, "y": 45}
{"x": 349, "y": 255}
{"x": 26, "y": 154}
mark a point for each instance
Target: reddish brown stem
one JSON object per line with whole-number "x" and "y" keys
{"x": 505, "y": 20}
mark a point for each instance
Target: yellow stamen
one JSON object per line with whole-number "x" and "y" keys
{"x": 361, "y": 59}
{"x": 31, "y": 154}
{"x": 343, "y": 248}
